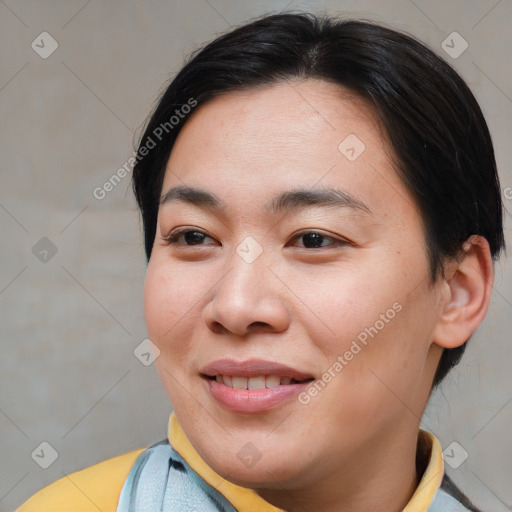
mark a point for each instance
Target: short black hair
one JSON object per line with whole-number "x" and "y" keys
{"x": 441, "y": 146}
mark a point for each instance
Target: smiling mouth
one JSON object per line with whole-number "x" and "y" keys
{"x": 257, "y": 382}
{"x": 253, "y": 386}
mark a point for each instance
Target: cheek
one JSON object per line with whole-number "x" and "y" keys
{"x": 343, "y": 304}
{"x": 379, "y": 326}
{"x": 157, "y": 307}
{"x": 383, "y": 379}
{"x": 168, "y": 298}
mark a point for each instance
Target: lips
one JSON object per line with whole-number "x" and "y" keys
{"x": 253, "y": 386}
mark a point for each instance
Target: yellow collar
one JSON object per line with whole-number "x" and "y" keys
{"x": 432, "y": 477}
{"x": 244, "y": 499}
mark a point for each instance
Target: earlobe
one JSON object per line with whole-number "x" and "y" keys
{"x": 466, "y": 294}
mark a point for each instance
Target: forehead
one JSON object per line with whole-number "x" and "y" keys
{"x": 302, "y": 134}
{"x": 281, "y": 118}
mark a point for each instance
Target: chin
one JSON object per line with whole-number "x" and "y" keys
{"x": 263, "y": 475}
{"x": 270, "y": 468}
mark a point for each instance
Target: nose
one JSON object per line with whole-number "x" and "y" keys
{"x": 248, "y": 298}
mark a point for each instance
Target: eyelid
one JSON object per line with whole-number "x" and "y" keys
{"x": 173, "y": 235}
{"x": 339, "y": 240}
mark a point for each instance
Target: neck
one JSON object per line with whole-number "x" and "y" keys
{"x": 384, "y": 479}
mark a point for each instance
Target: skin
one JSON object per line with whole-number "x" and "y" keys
{"x": 352, "y": 447}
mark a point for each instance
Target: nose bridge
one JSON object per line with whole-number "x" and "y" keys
{"x": 247, "y": 279}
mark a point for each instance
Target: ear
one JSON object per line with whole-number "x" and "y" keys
{"x": 466, "y": 293}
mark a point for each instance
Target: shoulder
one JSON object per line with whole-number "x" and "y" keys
{"x": 95, "y": 488}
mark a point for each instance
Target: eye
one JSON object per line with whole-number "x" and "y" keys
{"x": 187, "y": 237}
{"x": 309, "y": 239}
{"x": 316, "y": 240}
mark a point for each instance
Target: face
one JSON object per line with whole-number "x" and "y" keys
{"x": 288, "y": 288}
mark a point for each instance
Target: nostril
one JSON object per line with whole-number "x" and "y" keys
{"x": 259, "y": 324}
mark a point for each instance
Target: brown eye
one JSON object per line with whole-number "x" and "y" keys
{"x": 315, "y": 240}
{"x": 187, "y": 237}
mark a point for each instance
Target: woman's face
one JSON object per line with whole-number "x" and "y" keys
{"x": 301, "y": 256}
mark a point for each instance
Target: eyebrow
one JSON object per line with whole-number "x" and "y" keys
{"x": 285, "y": 202}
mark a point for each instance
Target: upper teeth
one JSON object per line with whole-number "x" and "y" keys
{"x": 260, "y": 382}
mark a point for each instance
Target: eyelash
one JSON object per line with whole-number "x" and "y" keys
{"x": 172, "y": 239}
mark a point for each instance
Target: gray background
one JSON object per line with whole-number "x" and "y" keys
{"x": 69, "y": 322}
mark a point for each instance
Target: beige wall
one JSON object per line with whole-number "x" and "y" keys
{"x": 69, "y": 325}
